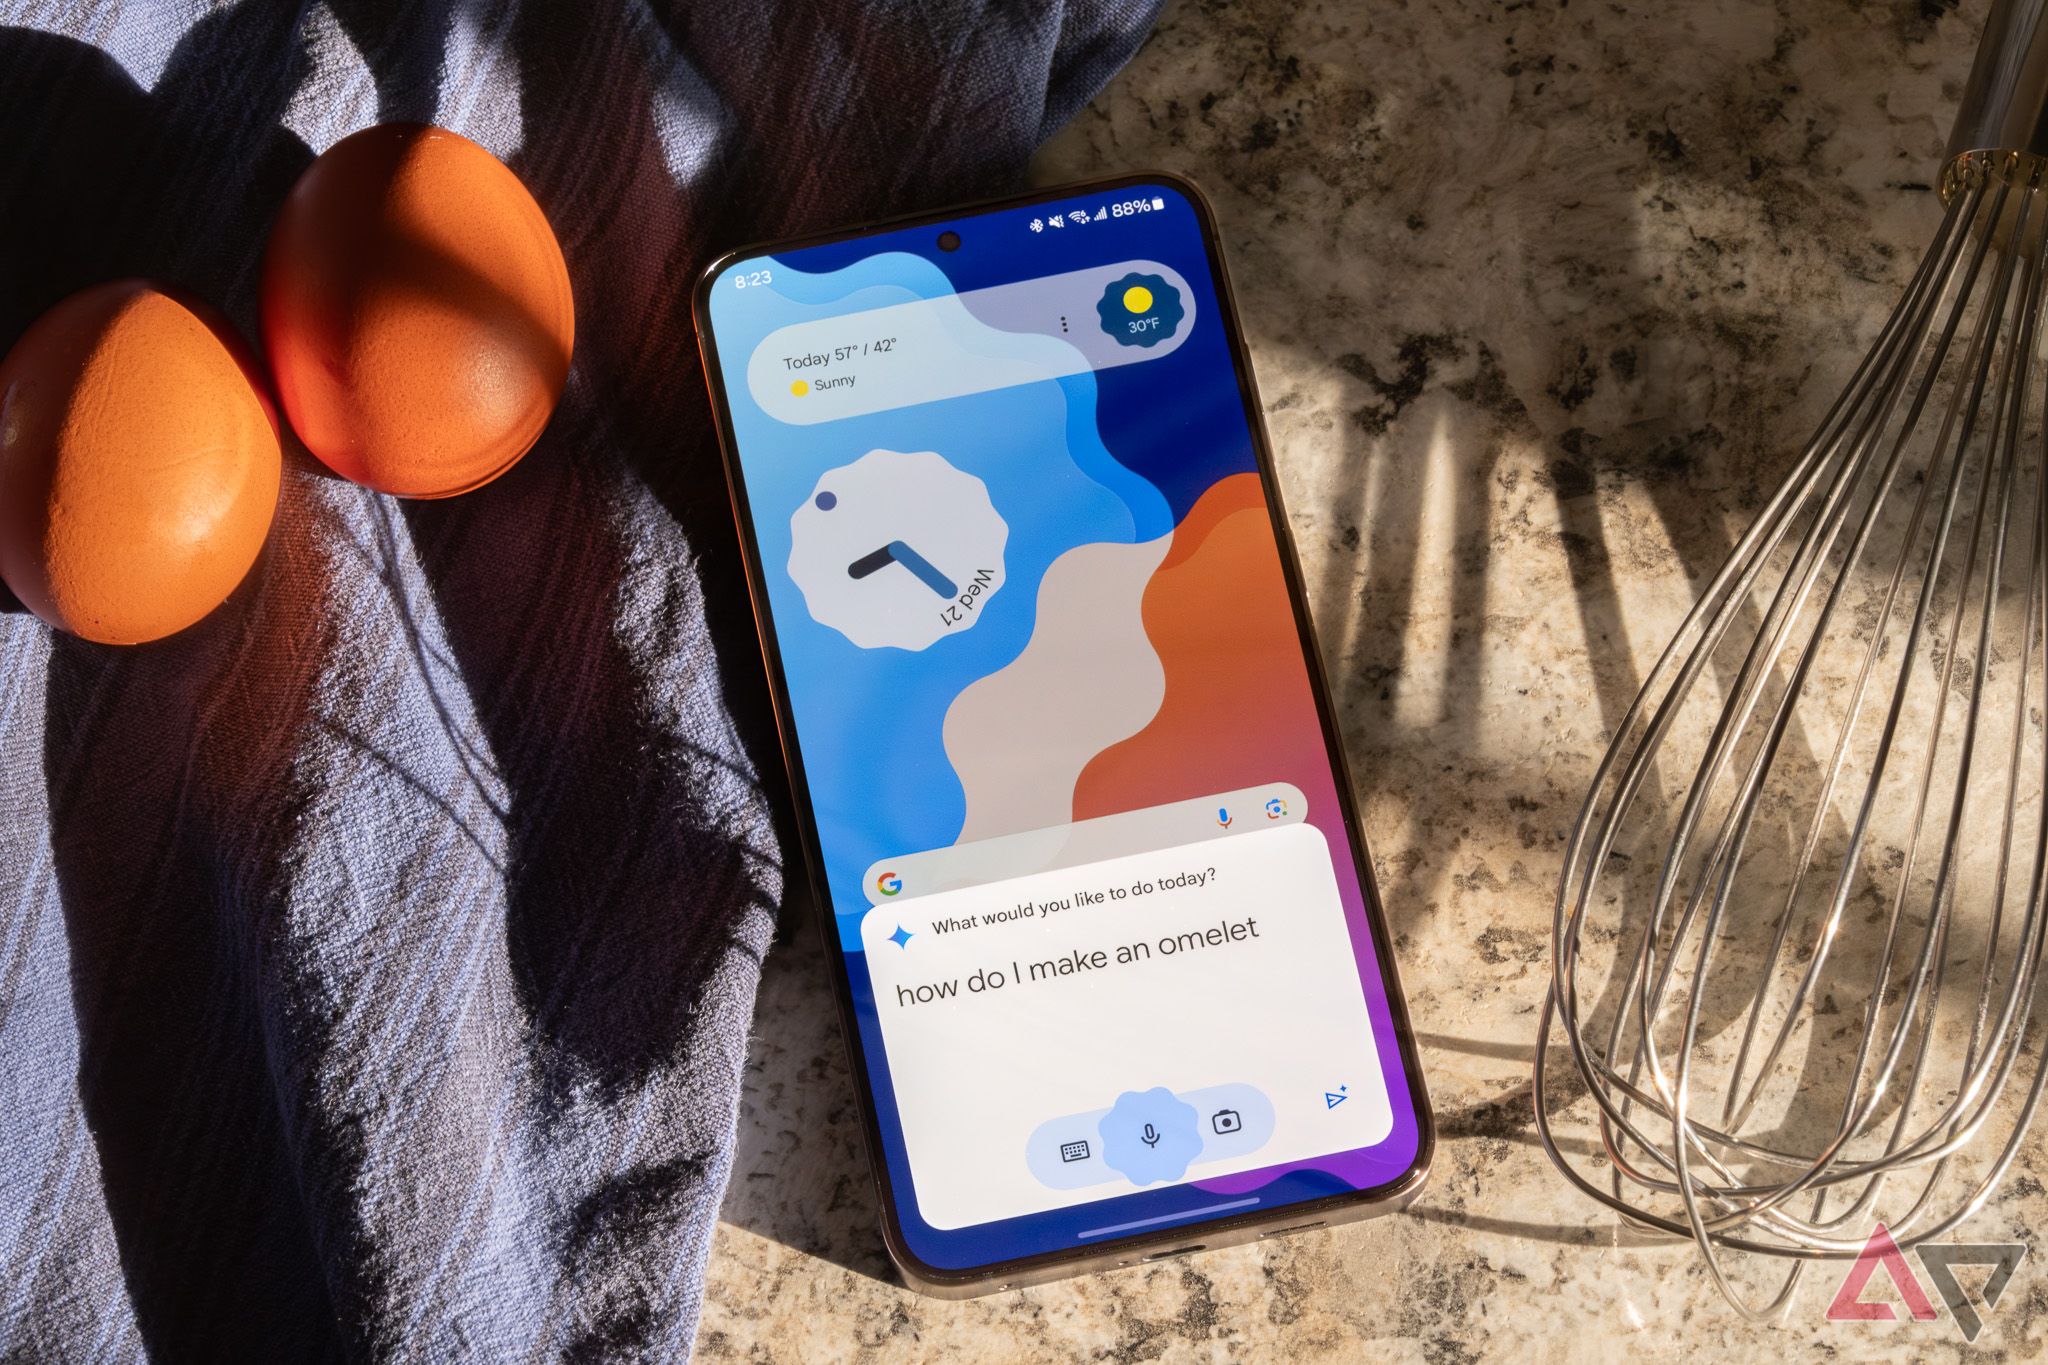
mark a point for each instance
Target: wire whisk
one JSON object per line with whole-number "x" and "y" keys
{"x": 1797, "y": 947}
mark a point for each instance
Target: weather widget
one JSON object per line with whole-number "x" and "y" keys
{"x": 1140, "y": 309}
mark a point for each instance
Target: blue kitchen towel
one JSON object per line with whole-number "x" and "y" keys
{"x": 377, "y": 957}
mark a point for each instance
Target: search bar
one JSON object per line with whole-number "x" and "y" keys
{"x": 1177, "y": 823}
{"x": 958, "y": 344}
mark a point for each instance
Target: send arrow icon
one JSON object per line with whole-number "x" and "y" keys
{"x": 1333, "y": 1098}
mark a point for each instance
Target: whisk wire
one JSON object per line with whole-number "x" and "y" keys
{"x": 1894, "y": 595}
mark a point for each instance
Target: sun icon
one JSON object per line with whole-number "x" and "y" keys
{"x": 1138, "y": 299}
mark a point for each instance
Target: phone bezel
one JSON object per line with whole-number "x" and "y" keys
{"x": 995, "y": 1277}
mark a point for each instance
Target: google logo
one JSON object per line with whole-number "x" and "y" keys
{"x": 888, "y": 883}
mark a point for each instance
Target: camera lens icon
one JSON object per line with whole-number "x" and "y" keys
{"x": 1225, "y": 1121}
{"x": 1141, "y": 309}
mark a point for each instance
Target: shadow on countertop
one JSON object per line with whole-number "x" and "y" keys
{"x": 800, "y": 1172}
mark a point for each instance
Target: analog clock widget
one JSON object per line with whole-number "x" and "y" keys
{"x": 897, "y": 550}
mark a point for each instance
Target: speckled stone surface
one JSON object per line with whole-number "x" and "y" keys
{"x": 1543, "y": 297}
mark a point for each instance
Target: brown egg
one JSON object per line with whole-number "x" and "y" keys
{"x": 139, "y": 464}
{"x": 417, "y": 313}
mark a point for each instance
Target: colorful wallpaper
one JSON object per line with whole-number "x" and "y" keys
{"x": 1138, "y": 646}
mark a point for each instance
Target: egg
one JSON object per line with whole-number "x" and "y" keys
{"x": 139, "y": 464}
{"x": 416, "y": 311}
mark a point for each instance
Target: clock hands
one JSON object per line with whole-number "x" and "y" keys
{"x": 896, "y": 552}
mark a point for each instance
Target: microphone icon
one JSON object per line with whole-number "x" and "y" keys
{"x": 1150, "y": 1137}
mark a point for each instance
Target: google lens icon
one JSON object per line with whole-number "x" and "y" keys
{"x": 888, "y": 883}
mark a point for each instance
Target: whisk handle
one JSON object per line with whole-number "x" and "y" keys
{"x": 2005, "y": 105}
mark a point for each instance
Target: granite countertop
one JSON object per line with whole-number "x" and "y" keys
{"x": 1543, "y": 297}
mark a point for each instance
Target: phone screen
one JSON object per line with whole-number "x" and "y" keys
{"x": 1064, "y": 765}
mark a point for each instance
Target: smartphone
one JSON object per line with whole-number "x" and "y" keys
{"x": 1108, "y": 952}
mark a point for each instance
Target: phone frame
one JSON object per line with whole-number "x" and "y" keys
{"x": 1181, "y": 1239}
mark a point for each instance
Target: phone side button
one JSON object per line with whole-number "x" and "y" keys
{"x": 1177, "y": 1251}
{"x": 1298, "y": 1227}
